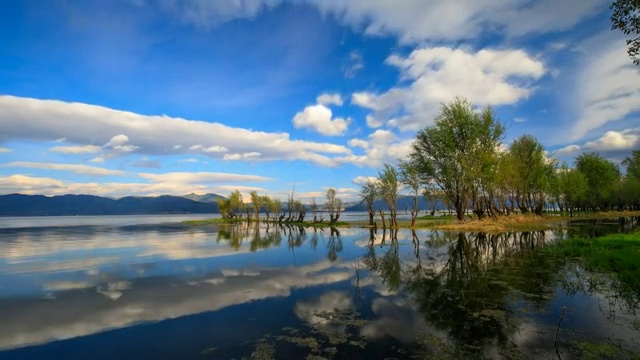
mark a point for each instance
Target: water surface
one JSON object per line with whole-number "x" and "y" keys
{"x": 149, "y": 287}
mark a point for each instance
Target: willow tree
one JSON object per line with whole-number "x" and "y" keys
{"x": 413, "y": 181}
{"x": 602, "y": 179}
{"x": 369, "y": 193}
{"x": 533, "y": 173}
{"x": 388, "y": 183}
{"x": 334, "y": 205}
{"x": 256, "y": 202}
{"x": 459, "y": 154}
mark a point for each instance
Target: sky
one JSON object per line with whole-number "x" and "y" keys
{"x": 152, "y": 97}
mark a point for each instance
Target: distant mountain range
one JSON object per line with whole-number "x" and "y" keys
{"x": 39, "y": 205}
{"x": 69, "y": 205}
{"x": 404, "y": 202}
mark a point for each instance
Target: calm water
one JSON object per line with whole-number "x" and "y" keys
{"x": 148, "y": 287}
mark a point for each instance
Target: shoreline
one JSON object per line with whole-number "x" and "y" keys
{"x": 445, "y": 222}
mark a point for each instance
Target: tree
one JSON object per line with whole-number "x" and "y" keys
{"x": 314, "y": 209}
{"x": 267, "y": 203}
{"x": 631, "y": 183}
{"x": 411, "y": 179}
{"x": 602, "y": 178}
{"x": 459, "y": 154}
{"x": 256, "y": 202}
{"x": 334, "y": 206}
{"x": 626, "y": 18}
{"x": 369, "y": 193}
{"x": 236, "y": 204}
{"x": 572, "y": 186}
{"x": 388, "y": 183}
{"x": 533, "y": 173}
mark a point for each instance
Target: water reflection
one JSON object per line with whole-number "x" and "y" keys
{"x": 422, "y": 293}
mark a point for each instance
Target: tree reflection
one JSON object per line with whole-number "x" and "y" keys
{"x": 467, "y": 291}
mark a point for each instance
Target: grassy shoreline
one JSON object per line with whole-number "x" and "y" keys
{"x": 446, "y": 222}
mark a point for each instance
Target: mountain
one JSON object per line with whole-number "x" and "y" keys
{"x": 404, "y": 202}
{"x": 39, "y": 205}
{"x": 206, "y": 198}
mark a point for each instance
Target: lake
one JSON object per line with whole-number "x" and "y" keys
{"x": 132, "y": 287}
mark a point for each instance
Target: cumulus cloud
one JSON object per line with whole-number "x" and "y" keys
{"x": 318, "y": 118}
{"x": 75, "y": 168}
{"x": 34, "y": 119}
{"x": 83, "y": 149}
{"x": 330, "y": 99}
{"x": 439, "y": 74}
{"x": 607, "y": 87}
{"x": 358, "y": 143}
{"x": 611, "y": 143}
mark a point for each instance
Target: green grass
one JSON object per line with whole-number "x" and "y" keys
{"x": 617, "y": 254}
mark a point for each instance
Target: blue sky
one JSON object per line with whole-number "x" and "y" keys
{"x": 144, "y": 97}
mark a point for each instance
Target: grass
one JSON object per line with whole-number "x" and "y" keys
{"x": 525, "y": 222}
{"x": 617, "y": 254}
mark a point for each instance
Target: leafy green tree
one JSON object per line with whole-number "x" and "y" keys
{"x": 334, "y": 206}
{"x": 459, "y": 153}
{"x": 266, "y": 202}
{"x": 369, "y": 193}
{"x": 631, "y": 183}
{"x": 413, "y": 181}
{"x": 626, "y": 17}
{"x": 388, "y": 184}
{"x": 236, "y": 204}
{"x": 602, "y": 178}
{"x": 256, "y": 203}
{"x": 534, "y": 173}
{"x": 572, "y": 186}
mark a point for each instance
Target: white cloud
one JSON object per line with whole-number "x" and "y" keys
{"x": 201, "y": 177}
{"x": 437, "y": 75}
{"x": 189, "y": 160}
{"x": 244, "y": 156}
{"x": 5, "y": 150}
{"x": 83, "y": 149}
{"x": 358, "y": 143}
{"x": 210, "y": 149}
{"x": 519, "y": 120}
{"x": 318, "y": 118}
{"x": 363, "y": 180}
{"x": 607, "y": 87}
{"x": 33, "y": 119}
{"x": 97, "y": 160}
{"x": 119, "y": 143}
{"x": 330, "y": 99}
{"x": 167, "y": 185}
{"x": 415, "y": 21}
{"x": 75, "y": 168}
{"x": 617, "y": 142}
{"x": 26, "y": 184}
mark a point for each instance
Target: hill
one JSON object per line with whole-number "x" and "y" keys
{"x": 404, "y": 202}
{"x": 39, "y": 205}
{"x": 206, "y": 198}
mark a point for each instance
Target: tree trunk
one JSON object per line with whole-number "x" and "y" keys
{"x": 384, "y": 223}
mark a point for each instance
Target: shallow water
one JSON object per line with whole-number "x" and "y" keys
{"x": 135, "y": 289}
